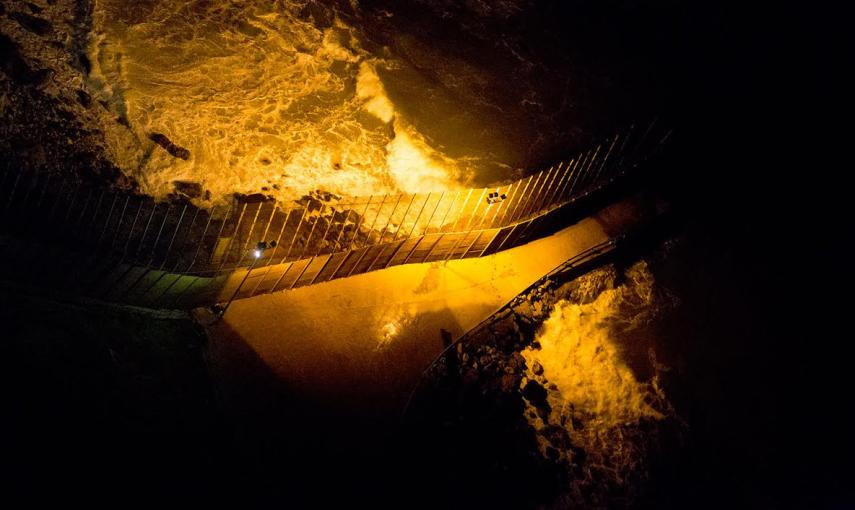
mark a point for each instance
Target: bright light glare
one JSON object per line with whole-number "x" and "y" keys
{"x": 257, "y": 253}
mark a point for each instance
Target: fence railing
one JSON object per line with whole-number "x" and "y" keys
{"x": 95, "y": 230}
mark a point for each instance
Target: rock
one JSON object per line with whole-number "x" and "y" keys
{"x": 557, "y": 436}
{"x": 171, "y": 148}
{"x": 13, "y": 64}
{"x": 32, "y": 23}
{"x": 84, "y": 98}
{"x": 537, "y": 368}
{"x": 188, "y": 189}
{"x": 523, "y": 309}
{"x": 536, "y": 394}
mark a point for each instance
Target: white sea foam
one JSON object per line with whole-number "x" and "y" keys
{"x": 265, "y": 98}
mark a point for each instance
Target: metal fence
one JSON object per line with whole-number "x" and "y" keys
{"x": 114, "y": 244}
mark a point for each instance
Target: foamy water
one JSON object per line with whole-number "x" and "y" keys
{"x": 269, "y": 97}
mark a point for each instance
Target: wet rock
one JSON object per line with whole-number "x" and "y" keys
{"x": 188, "y": 189}
{"x": 557, "y": 436}
{"x": 537, "y": 368}
{"x": 536, "y": 394}
{"x": 84, "y": 98}
{"x": 15, "y": 67}
{"x": 34, "y": 24}
{"x": 171, "y": 148}
{"x": 523, "y": 309}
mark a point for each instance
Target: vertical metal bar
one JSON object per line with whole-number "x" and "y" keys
{"x": 380, "y": 241}
{"x": 462, "y": 209}
{"x": 506, "y": 202}
{"x": 536, "y": 198}
{"x": 404, "y": 218}
{"x": 44, "y": 191}
{"x": 499, "y": 208}
{"x": 448, "y": 211}
{"x": 513, "y": 214}
{"x": 272, "y": 252}
{"x": 586, "y": 171}
{"x": 469, "y": 225}
{"x": 415, "y": 223}
{"x": 145, "y": 231}
{"x": 562, "y": 196}
{"x": 269, "y": 222}
{"x": 435, "y": 209}
{"x": 281, "y": 231}
{"x": 355, "y": 232}
{"x": 469, "y": 248}
{"x": 290, "y": 246}
{"x": 159, "y": 233}
{"x": 228, "y": 250}
{"x": 418, "y": 216}
{"x": 389, "y": 221}
{"x": 547, "y": 200}
{"x": 14, "y": 189}
{"x": 181, "y": 294}
{"x": 359, "y": 223}
{"x": 201, "y": 239}
{"x": 498, "y": 231}
{"x": 59, "y": 196}
{"x": 106, "y": 223}
{"x": 130, "y": 232}
{"x": 498, "y": 248}
{"x": 36, "y": 209}
{"x": 294, "y": 237}
{"x": 219, "y": 233}
{"x": 95, "y": 212}
{"x": 522, "y": 211}
{"x": 172, "y": 240}
{"x": 430, "y": 251}
{"x": 578, "y": 169}
{"x": 362, "y": 255}
{"x": 318, "y": 252}
{"x": 620, "y": 154}
{"x": 166, "y": 256}
{"x": 248, "y": 236}
{"x": 178, "y": 277}
{"x": 335, "y": 245}
{"x": 641, "y": 141}
{"x": 605, "y": 159}
{"x": 34, "y": 185}
{"x": 76, "y": 223}
{"x": 480, "y": 226}
{"x": 555, "y": 197}
{"x": 6, "y": 174}
{"x": 119, "y": 223}
{"x": 71, "y": 204}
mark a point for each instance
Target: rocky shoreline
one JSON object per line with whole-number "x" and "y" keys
{"x": 500, "y": 389}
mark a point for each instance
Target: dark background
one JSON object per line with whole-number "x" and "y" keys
{"x": 752, "y": 93}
